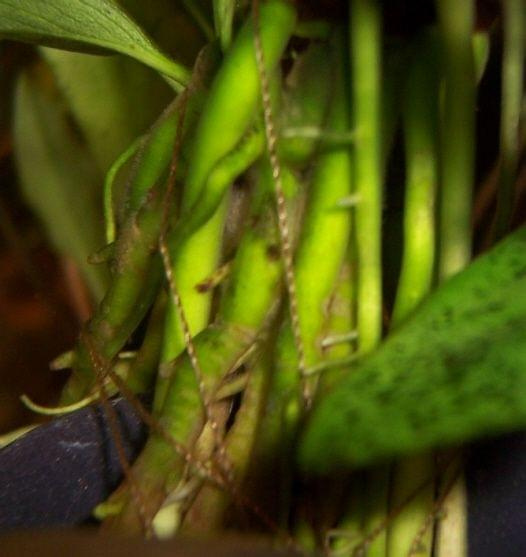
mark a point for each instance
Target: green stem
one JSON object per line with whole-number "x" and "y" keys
{"x": 451, "y": 538}
{"x": 156, "y": 151}
{"x": 340, "y": 335}
{"x": 339, "y": 327}
{"x": 137, "y": 268}
{"x": 141, "y": 377}
{"x": 365, "y": 30}
{"x": 305, "y": 103}
{"x": 458, "y": 154}
{"x": 196, "y": 236}
{"x": 512, "y": 90}
{"x": 228, "y": 113}
{"x": 481, "y": 48}
{"x": 137, "y": 274}
{"x": 271, "y": 471}
{"x": 457, "y": 135}
{"x": 209, "y": 510}
{"x": 223, "y": 19}
{"x": 109, "y": 216}
{"x": 420, "y": 129}
{"x": 219, "y": 347}
{"x": 153, "y": 156}
{"x": 325, "y": 229}
{"x": 365, "y": 44}
{"x": 409, "y": 475}
{"x": 193, "y": 263}
{"x": 222, "y": 175}
{"x": 231, "y": 105}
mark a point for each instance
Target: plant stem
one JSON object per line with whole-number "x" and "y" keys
{"x": 156, "y": 150}
{"x": 208, "y": 213}
{"x": 196, "y": 260}
{"x": 365, "y": 42}
{"x": 221, "y": 177}
{"x": 141, "y": 375}
{"x": 137, "y": 270}
{"x": 229, "y": 111}
{"x": 209, "y": 509}
{"x": 285, "y": 231}
{"x": 420, "y": 129}
{"x": 458, "y": 153}
{"x": 223, "y": 19}
{"x": 278, "y": 430}
{"x": 512, "y": 86}
{"x": 409, "y": 475}
{"x": 457, "y": 135}
{"x": 135, "y": 282}
{"x": 109, "y": 216}
{"x": 325, "y": 229}
{"x": 243, "y": 311}
{"x": 306, "y": 98}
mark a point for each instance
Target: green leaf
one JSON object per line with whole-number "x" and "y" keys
{"x": 452, "y": 373}
{"x": 113, "y": 99}
{"x": 83, "y": 25}
{"x": 58, "y": 177}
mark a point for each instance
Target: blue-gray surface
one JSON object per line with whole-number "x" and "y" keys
{"x": 57, "y": 473}
{"x": 496, "y": 483}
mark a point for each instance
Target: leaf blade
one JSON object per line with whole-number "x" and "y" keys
{"x": 452, "y": 373}
{"x": 84, "y": 25}
{"x": 58, "y": 178}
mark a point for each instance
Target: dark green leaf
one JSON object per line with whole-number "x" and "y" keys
{"x": 454, "y": 372}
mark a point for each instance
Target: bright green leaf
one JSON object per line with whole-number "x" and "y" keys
{"x": 452, "y": 373}
{"x": 84, "y": 25}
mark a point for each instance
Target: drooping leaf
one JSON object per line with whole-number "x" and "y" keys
{"x": 113, "y": 99}
{"x": 454, "y": 372}
{"x": 59, "y": 179}
{"x": 84, "y": 25}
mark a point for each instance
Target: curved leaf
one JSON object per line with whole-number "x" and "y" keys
{"x": 113, "y": 99}
{"x": 84, "y": 25}
{"x": 454, "y": 372}
{"x": 59, "y": 179}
